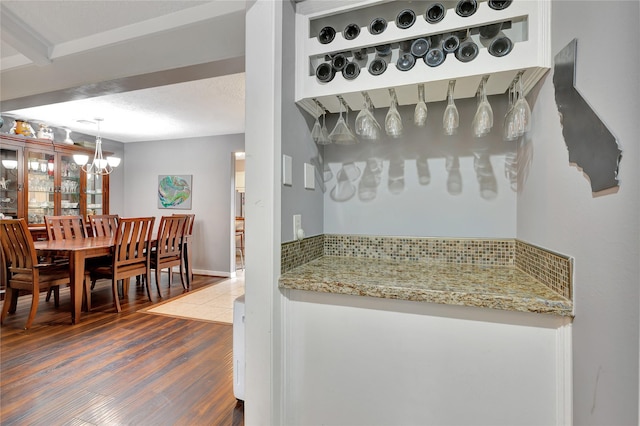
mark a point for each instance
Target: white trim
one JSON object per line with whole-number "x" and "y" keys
{"x": 262, "y": 243}
{"x": 564, "y": 374}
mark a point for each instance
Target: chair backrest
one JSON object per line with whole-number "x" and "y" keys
{"x": 132, "y": 239}
{"x": 188, "y": 225}
{"x": 170, "y": 234}
{"x": 104, "y": 225}
{"x": 17, "y": 246}
{"x": 65, "y": 227}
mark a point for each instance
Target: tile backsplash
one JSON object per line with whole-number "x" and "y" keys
{"x": 296, "y": 253}
{"x": 552, "y": 269}
{"x": 443, "y": 250}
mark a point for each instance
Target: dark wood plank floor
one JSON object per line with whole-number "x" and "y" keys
{"x": 127, "y": 368}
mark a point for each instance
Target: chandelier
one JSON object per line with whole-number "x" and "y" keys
{"x": 99, "y": 165}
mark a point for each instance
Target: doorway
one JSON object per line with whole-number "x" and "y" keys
{"x": 238, "y": 202}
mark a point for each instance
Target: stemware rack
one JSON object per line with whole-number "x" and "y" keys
{"x": 527, "y": 23}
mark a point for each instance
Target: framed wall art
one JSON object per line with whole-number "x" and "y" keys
{"x": 174, "y": 192}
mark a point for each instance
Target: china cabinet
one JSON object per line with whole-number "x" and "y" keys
{"x": 39, "y": 178}
{"x": 525, "y": 23}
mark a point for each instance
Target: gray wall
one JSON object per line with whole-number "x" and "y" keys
{"x": 297, "y": 143}
{"x": 116, "y": 178}
{"x": 209, "y": 160}
{"x": 556, "y": 208}
{"x": 403, "y": 186}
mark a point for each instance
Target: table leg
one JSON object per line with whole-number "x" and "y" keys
{"x": 76, "y": 269}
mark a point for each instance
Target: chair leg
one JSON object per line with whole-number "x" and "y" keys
{"x": 158, "y": 280}
{"x": 8, "y": 299}
{"x": 183, "y": 279}
{"x": 34, "y": 307}
{"x": 13, "y": 306}
{"x": 189, "y": 266}
{"x": 116, "y": 297}
{"x": 184, "y": 275}
{"x": 241, "y": 259}
{"x": 48, "y": 294}
{"x": 56, "y": 296}
{"x": 148, "y": 286}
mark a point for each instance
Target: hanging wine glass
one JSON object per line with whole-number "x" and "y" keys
{"x": 420, "y": 113}
{"x": 483, "y": 119}
{"x": 451, "y": 119}
{"x": 341, "y": 133}
{"x": 316, "y": 131}
{"x": 366, "y": 125}
{"x": 522, "y": 111}
{"x": 508, "y": 129}
{"x": 323, "y": 139}
{"x": 393, "y": 121}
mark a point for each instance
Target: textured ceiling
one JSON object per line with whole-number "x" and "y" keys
{"x": 41, "y": 38}
{"x": 211, "y": 106}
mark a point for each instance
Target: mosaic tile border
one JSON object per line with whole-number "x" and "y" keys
{"x": 552, "y": 269}
{"x": 296, "y": 253}
{"x": 468, "y": 251}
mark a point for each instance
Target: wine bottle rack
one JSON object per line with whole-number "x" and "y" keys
{"x": 526, "y": 22}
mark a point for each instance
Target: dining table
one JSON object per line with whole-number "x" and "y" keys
{"x": 76, "y": 250}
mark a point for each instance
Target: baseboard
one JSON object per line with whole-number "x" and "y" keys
{"x": 226, "y": 274}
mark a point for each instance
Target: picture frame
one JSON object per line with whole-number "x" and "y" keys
{"x": 175, "y": 191}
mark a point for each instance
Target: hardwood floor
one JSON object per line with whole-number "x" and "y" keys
{"x": 128, "y": 368}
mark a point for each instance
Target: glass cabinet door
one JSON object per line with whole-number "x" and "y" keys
{"x": 41, "y": 188}
{"x": 10, "y": 183}
{"x": 95, "y": 197}
{"x": 69, "y": 186}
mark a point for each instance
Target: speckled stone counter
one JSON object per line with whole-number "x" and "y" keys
{"x": 495, "y": 287}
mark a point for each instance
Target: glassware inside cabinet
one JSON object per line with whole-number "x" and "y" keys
{"x": 94, "y": 194}
{"x": 69, "y": 186}
{"x": 8, "y": 184}
{"x": 41, "y": 174}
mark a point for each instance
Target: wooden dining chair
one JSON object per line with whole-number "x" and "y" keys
{"x": 187, "y": 265}
{"x": 104, "y": 225}
{"x": 24, "y": 272}
{"x": 65, "y": 227}
{"x": 130, "y": 256}
{"x": 167, "y": 250}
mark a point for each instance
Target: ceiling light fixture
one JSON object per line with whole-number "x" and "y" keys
{"x": 99, "y": 165}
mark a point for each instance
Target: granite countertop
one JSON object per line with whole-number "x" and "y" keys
{"x": 496, "y": 287}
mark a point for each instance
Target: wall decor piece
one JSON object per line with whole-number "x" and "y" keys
{"x": 591, "y": 144}
{"x": 174, "y": 192}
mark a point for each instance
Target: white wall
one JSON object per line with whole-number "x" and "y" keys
{"x": 366, "y": 361}
{"x": 263, "y": 135}
{"x": 209, "y": 160}
{"x": 556, "y": 208}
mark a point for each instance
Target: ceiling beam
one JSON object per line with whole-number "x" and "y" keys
{"x": 18, "y": 34}
{"x": 127, "y": 84}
